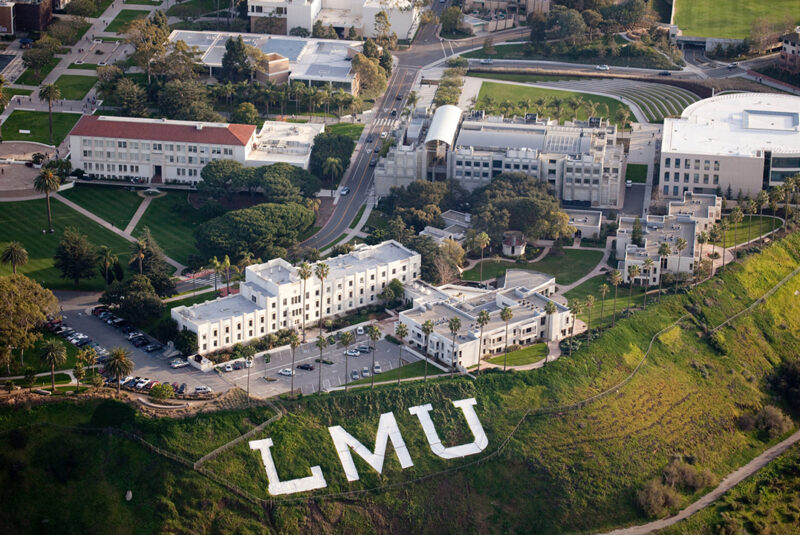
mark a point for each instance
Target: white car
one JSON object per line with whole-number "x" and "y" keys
{"x": 352, "y": 353}
{"x": 487, "y": 61}
{"x": 248, "y": 363}
{"x": 365, "y": 372}
{"x": 360, "y": 330}
{"x": 377, "y": 368}
{"x": 202, "y": 389}
{"x": 384, "y": 134}
{"x": 178, "y": 363}
{"x": 141, "y": 383}
{"x": 227, "y": 368}
{"x": 286, "y": 372}
{"x": 628, "y": 183}
{"x": 603, "y": 68}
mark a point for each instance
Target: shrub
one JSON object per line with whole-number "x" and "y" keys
{"x": 162, "y": 391}
{"x": 746, "y": 422}
{"x": 773, "y": 421}
{"x": 683, "y": 475}
{"x": 656, "y": 498}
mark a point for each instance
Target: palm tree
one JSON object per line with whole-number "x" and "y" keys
{"x": 14, "y": 254}
{"x": 506, "y": 315}
{"x": 304, "y": 272}
{"x": 616, "y": 280}
{"x": 412, "y": 99}
{"x": 724, "y": 225}
{"x": 648, "y": 269}
{"x": 79, "y": 372}
{"x": 482, "y": 241}
{"x": 88, "y": 356}
{"x": 750, "y": 208}
{"x": 216, "y": 265}
{"x": 106, "y": 259}
{"x": 762, "y": 199}
{"x": 53, "y": 353}
{"x": 454, "y": 324}
{"x": 680, "y": 245}
{"x": 427, "y": 329}
{"x": 589, "y": 306}
{"x": 226, "y": 267}
{"x": 119, "y": 365}
{"x": 322, "y": 343}
{"x": 702, "y": 238}
{"x": 622, "y": 116}
{"x": 604, "y": 289}
{"x": 247, "y": 259}
{"x": 633, "y": 271}
{"x": 321, "y": 270}
{"x": 3, "y": 99}
{"x": 374, "y": 335}
{"x": 401, "y": 330}
{"x": 47, "y": 182}
{"x": 736, "y": 216}
{"x": 294, "y": 343}
{"x": 577, "y": 309}
{"x": 483, "y": 321}
{"x": 346, "y": 339}
{"x": 663, "y": 252}
{"x": 138, "y": 250}
{"x": 332, "y": 167}
{"x": 50, "y": 93}
{"x": 549, "y": 309}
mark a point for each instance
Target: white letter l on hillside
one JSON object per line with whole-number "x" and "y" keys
{"x": 315, "y": 481}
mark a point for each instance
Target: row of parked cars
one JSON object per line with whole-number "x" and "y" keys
{"x": 138, "y": 339}
{"x": 237, "y": 365}
{"x": 144, "y": 384}
{"x": 77, "y": 339}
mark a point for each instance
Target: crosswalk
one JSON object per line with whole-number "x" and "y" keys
{"x": 387, "y": 121}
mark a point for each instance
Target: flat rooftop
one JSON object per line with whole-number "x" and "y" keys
{"x": 522, "y": 278}
{"x": 365, "y": 257}
{"x": 587, "y": 218}
{"x": 285, "y": 142}
{"x": 740, "y": 124}
{"x": 663, "y": 229}
{"x": 495, "y": 134}
{"x": 222, "y": 308}
{"x": 695, "y": 205}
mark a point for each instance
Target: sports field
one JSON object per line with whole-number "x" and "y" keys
{"x": 729, "y": 18}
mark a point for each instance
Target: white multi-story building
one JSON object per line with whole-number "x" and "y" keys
{"x": 524, "y": 292}
{"x": 685, "y": 219}
{"x": 581, "y": 160}
{"x": 743, "y": 142}
{"x": 161, "y": 150}
{"x": 271, "y": 297}
{"x": 340, "y": 14}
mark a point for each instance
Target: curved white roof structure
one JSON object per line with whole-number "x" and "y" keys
{"x": 444, "y": 124}
{"x": 739, "y": 124}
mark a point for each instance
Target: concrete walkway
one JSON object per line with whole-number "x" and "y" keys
{"x": 731, "y": 480}
{"x": 138, "y": 215}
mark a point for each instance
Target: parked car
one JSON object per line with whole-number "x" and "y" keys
{"x": 362, "y": 349}
{"x": 126, "y": 380}
{"x": 487, "y": 61}
{"x": 227, "y": 368}
{"x": 305, "y": 366}
{"x": 150, "y": 348}
{"x": 360, "y": 330}
{"x": 628, "y": 183}
{"x": 365, "y": 372}
{"x": 665, "y": 73}
{"x": 377, "y": 368}
{"x": 174, "y": 387}
{"x": 202, "y": 389}
{"x": 134, "y": 334}
{"x": 248, "y": 363}
{"x": 96, "y": 311}
{"x": 603, "y": 68}
{"x": 344, "y": 191}
{"x": 354, "y": 375}
{"x": 182, "y": 389}
{"x": 178, "y": 363}
{"x": 140, "y": 342}
{"x": 141, "y": 383}
{"x": 286, "y": 372}
{"x": 352, "y": 353}
{"x": 238, "y": 365}
{"x": 733, "y": 65}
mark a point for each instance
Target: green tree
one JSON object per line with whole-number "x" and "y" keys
{"x": 604, "y": 289}
{"x": 680, "y": 245}
{"x": 371, "y": 76}
{"x": 88, "y": 357}
{"x": 299, "y": 31}
{"x": 15, "y": 254}
{"x": 53, "y": 354}
{"x": 235, "y": 66}
{"x": 506, "y": 315}
{"x": 636, "y": 236}
{"x": 47, "y": 182}
{"x": 36, "y": 59}
{"x": 25, "y": 306}
{"x": 451, "y": 19}
{"x": 186, "y": 342}
{"x": 401, "y": 330}
{"x": 106, "y": 260}
{"x": 79, "y": 372}
{"x": 385, "y": 61}
{"x": 149, "y": 40}
{"x": 482, "y": 241}
{"x": 132, "y": 98}
{"x": 49, "y": 93}
{"x": 736, "y": 217}
{"x": 374, "y": 335}
{"x": 162, "y": 391}
{"x": 382, "y": 27}
{"x": 138, "y": 252}
{"x": 321, "y": 270}
{"x": 549, "y": 310}
{"x": 762, "y": 200}
{"x": 663, "y": 253}
{"x": 371, "y": 50}
{"x": 75, "y": 256}
{"x": 483, "y": 321}
{"x": 648, "y": 271}
{"x": 246, "y": 113}
{"x": 616, "y": 280}
{"x": 322, "y": 343}
{"x": 427, "y": 329}
{"x": 305, "y": 272}
{"x": 454, "y": 324}
{"x": 589, "y": 306}
{"x": 332, "y": 167}
{"x": 633, "y": 271}
{"x": 119, "y": 365}
{"x": 345, "y": 340}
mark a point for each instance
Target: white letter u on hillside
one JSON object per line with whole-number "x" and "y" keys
{"x": 315, "y": 481}
{"x": 467, "y": 406}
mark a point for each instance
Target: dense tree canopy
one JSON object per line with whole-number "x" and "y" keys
{"x": 75, "y": 256}
{"x": 330, "y": 145}
{"x": 280, "y": 182}
{"x": 235, "y": 66}
{"x": 136, "y": 298}
{"x": 25, "y": 305}
{"x": 422, "y": 202}
{"x": 371, "y": 76}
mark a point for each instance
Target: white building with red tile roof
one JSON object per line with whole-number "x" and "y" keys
{"x": 162, "y": 150}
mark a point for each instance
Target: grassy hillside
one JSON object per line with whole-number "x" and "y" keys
{"x": 562, "y": 471}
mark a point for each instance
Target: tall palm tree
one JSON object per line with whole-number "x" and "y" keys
{"x": 702, "y": 238}
{"x": 14, "y": 254}
{"x": 724, "y": 225}
{"x": 483, "y": 321}
{"x": 506, "y": 315}
{"x": 332, "y": 167}
{"x": 321, "y": 270}
{"x": 3, "y": 100}
{"x": 346, "y": 339}
{"x": 482, "y": 241}
{"x": 53, "y": 353}
{"x": 648, "y": 269}
{"x": 50, "y": 93}
{"x": 589, "y": 307}
{"x": 226, "y": 267}
{"x": 321, "y": 344}
{"x": 47, "y": 182}
{"x": 680, "y": 245}
{"x": 138, "y": 251}
{"x": 549, "y": 309}
{"x": 412, "y": 99}
{"x": 305, "y": 272}
{"x": 577, "y": 309}
{"x": 616, "y": 280}
{"x": 604, "y": 289}
{"x": 106, "y": 259}
{"x": 247, "y": 259}
{"x": 762, "y": 200}
{"x": 736, "y": 216}
{"x": 374, "y": 335}
{"x": 622, "y": 116}
{"x": 401, "y": 330}
{"x": 79, "y": 372}
{"x": 663, "y": 252}
{"x": 454, "y": 324}
{"x": 750, "y": 208}
{"x": 633, "y": 271}
{"x": 119, "y": 364}
{"x": 294, "y": 343}
{"x": 88, "y": 356}
{"x": 427, "y": 329}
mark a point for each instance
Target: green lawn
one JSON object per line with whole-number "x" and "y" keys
{"x": 23, "y": 221}
{"x": 358, "y": 216}
{"x": 493, "y": 95}
{"x": 377, "y": 220}
{"x": 111, "y": 39}
{"x": 125, "y": 17}
{"x": 172, "y": 228}
{"x": 37, "y": 123}
{"x": 45, "y": 381}
{"x": 731, "y": 19}
{"x": 144, "y": 2}
{"x": 527, "y": 355}
{"x": 310, "y": 231}
{"x": 75, "y": 87}
{"x": 745, "y": 231}
{"x": 114, "y": 204}
{"x": 415, "y": 369}
{"x": 603, "y": 317}
{"x": 84, "y": 66}
{"x": 102, "y": 5}
{"x": 33, "y": 360}
{"x": 636, "y": 172}
{"x": 11, "y": 91}
{"x": 28, "y": 77}
{"x": 208, "y": 6}
{"x": 351, "y": 130}
{"x": 514, "y": 77}
{"x": 568, "y": 268}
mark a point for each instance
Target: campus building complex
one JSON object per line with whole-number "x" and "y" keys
{"x": 271, "y": 298}
{"x": 161, "y": 150}
{"x": 685, "y": 219}
{"x": 340, "y": 14}
{"x": 525, "y": 293}
{"x": 789, "y": 58}
{"x": 738, "y": 142}
{"x": 580, "y": 160}
{"x": 314, "y": 62}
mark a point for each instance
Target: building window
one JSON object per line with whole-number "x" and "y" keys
{"x": 666, "y": 162}
{"x": 666, "y": 176}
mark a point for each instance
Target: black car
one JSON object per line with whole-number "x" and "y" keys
{"x": 153, "y": 347}
{"x": 140, "y": 341}
{"x": 370, "y": 139}
{"x": 82, "y": 342}
{"x": 182, "y": 389}
{"x": 238, "y": 365}
{"x": 305, "y": 366}
{"x": 665, "y": 73}
{"x": 373, "y": 162}
{"x": 377, "y": 149}
{"x": 362, "y": 349}
{"x": 399, "y": 97}
{"x": 394, "y": 113}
